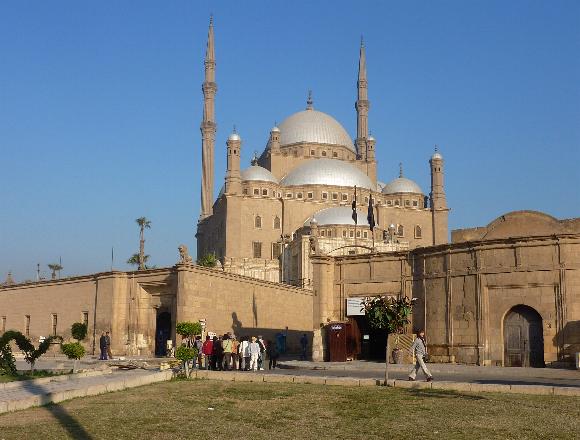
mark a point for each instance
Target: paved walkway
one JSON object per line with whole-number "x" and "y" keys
{"x": 27, "y": 393}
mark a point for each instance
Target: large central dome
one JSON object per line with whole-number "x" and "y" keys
{"x": 313, "y": 126}
{"x": 327, "y": 172}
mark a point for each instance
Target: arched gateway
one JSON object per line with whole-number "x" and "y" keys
{"x": 523, "y": 338}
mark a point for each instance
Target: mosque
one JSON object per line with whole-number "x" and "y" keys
{"x": 307, "y": 232}
{"x": 306, "y": 183}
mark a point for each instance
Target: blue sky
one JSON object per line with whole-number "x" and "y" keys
{"x": 100, "y": 105}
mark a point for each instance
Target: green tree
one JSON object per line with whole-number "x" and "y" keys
{"x": 143, "y": 224}
{"x": 75, "y": 351}
{"x": 390, "y": 314}
{"x": 208, "y": 260}
{"x": 187, "y": 329}
{"x": 55, "y": 267}
{"x": 79, "y": 331}
{"x": 186, "y": 354}
{"x": 134, "y": 260}
{"x": 31, "y": 353}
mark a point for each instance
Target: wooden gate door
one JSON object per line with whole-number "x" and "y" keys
{"x": 523, "y": 338}
{"x": 337, "y": 342}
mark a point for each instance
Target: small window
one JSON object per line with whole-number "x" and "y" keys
{"x": 258, "y": 222}
{"x": 288, "y": 195}
{"x": 357, "y": 234}
{"x": 366, "y": 200}
{"x": 299, "y": 195}
{"x": 324, "y": 196}
{"x": 322, "y": 233}
{"x": 334, "y": 196}
{"x": 401, "y": 231}
{"x": 415, "y": 203}
{"x": 365, "y": 234}
{"x": 276, "y": 250}
{"x": 352, "y": 252}
{"x": 344, "y": 234}
{"x": 351, "y": 234}
{"x": 396, "y": 203}
{"x": 257, "y": 249}
{"x": 54, "y": 323}
{"x": 27, "y": 326}
{"x": 86, "y": 318}
{"x": 276, "y": 222}
{"x": 245, "y": 191}
{"x": 312, "y": 153}
{"x": 3, "y": 324}
{"x": 334, "y": 154}
{"x": 418, "y": 232}
{"x": 279, "y": 195}
{"x": 329, "y": 232}
{"x": 389, "y": 202}
{"x": 407, "y": 203}
{"x": 264, "y": 192}
{"x": 324, "y": 153}
{"x": 345, "y": 197}
{"x": 310, "y": 195}
{"x": 256, "y": 192}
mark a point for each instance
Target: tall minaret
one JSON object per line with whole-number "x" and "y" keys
{"x": 208, "y": 127}
{"x": 439, "y": 210}
{"x": 233, "y": 177}
{"x": 362, "y": 105}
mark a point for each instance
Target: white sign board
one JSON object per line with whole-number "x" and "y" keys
{"x": 354, "y": 307}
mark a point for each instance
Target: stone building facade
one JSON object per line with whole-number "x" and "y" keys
{"x": 140, "y": 309}
{"x": 505, "y": 294}
{"x": 309, "y": 164}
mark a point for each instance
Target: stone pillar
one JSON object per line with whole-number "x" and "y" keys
{"x": 323, "y": 302}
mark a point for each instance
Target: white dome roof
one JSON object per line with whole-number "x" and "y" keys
{"x": 234, "y": 137}
{"x": 256, "y": 172}
{"x": 401, "y": 185}
{"x": 341, "y": 215}
{"x": 313, "y": 126}
{"x": 327, "y": 172}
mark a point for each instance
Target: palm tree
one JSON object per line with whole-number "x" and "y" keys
{"x": 135, "y": 258}
{"x": 55, "y": 267}
{"x": 143, "y": 224}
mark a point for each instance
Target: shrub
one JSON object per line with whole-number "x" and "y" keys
{"x": 188, "y": 329}
{"x": 208, "y": 260}
{"x": 74, "y": 350}
{"x": 79, "y": 331}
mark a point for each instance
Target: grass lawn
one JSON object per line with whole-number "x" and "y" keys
{"x": 26, "y": 376}
{"x": 181, "y": 409}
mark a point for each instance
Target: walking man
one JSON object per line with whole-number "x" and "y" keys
{"x": 103, "y": 347}
{"x": 419, "y": 349}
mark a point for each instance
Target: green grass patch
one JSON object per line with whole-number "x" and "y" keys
{"x": 26, "y": 376}
{"x": 181, "y": 410}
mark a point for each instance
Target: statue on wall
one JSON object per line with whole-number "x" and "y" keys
{"x": 184, "y": 257}
{"x": 313, "y": 245}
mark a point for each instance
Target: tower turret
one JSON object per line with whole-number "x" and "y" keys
{"x": 233, "y": 177}
{"x": 208, "y": 127}
{"x": 439, "y": 210}
{"x": 275, "y": 140}
{"x": 362, "y": 105}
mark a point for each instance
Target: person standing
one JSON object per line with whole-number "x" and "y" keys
{"x": 217, "y": 354}
{"x": 103, "y": 347}
{"x": 199, "y": 345}
{"x": 254, "y": 349}
{"x": 108, "y": 339}
{"x": 227, "y": 347}
{"x": 419, "y": 350}
{"x": 262, "y": 356}
{"x": 273, "y": 353}
{"x": 235, "y": 353}
{"x": 207, "y": 350}
{"x": 245, "y": 354}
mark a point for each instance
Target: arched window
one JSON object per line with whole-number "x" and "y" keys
{"x": 276, "y": 222}
{"x": 258, "y": 222}
{"x": 418, "y": 231}
{"x": 324, "y": 153}
{"x": 401, "y": 231}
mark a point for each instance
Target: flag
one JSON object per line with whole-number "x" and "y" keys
{"x": 371, "y": 214}
{"x": 354, "y": 216}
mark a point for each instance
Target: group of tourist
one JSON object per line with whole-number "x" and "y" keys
{"x": 227, "y": 353}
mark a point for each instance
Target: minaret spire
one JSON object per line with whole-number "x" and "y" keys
{"x": 208, "y": 126}
{"x": 362, "y": 104}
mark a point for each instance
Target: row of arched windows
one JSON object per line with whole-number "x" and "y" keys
{"x": 276, "y": 224}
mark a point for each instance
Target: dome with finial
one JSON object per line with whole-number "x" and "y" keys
{"x": 234, "y": 136}
{"x": 275, "y": 129}
{"x": 437, "y": 154}
{"x": 401, "y": 185}
{"x": 257, "y": 173}
{"x": 313, "y": 126}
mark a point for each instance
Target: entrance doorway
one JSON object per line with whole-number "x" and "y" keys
{"x": 372, "y": 341}
{"x": 162, "y": 333}
{"x": 523, "y": 338}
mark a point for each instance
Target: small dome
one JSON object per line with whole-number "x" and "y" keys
{"x": 437, "y": 155}
{"x": 256, "y": 172}
{"x": 371, "y": 138}
{"x": 234, "y": 137}
{"x": 341, "y": 215}
{"x": 401, "y": 185}
{"x": 313, "y": 126}
{"x": 275, "y": 130}
{"x": 326, "y": 172}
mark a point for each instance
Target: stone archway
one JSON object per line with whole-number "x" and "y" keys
{"x": 523, "y": 338}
